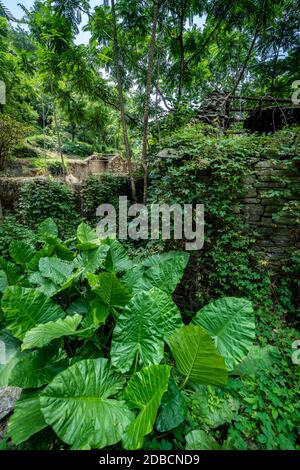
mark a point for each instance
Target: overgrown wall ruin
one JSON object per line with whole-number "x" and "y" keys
{"x": 270, "y": 186}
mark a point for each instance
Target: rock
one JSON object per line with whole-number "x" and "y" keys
{"x": 70, "y": 179}
{"x": 8, "y": 397}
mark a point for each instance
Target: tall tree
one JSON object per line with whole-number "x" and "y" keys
{"x": 156, "y": 6}
{"x": 117, "y": 60}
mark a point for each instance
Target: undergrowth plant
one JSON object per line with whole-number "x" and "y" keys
{"x": 100, "y": 349}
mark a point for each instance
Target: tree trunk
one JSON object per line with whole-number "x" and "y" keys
{"x": 156, "y": 5}
{"x": 127, "y": 143}
{"x": 58, "y": 132}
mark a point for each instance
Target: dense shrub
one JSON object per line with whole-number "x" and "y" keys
{"x": 56, "y": 168}
{"x": 41, "y": 199}
{"x": 10, "y": 230}
{"x": 11, "y": 134}
{"x": 24, "y": 151}
{"x": 80, "y": 149}
{"x": 48, "y": 142}
{"x": 97, "y": 190}
{"x": 78, "y": 308}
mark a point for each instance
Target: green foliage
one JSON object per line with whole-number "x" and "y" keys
{"x": 41, "y": 199}
{"x": 10, "y": 230}
{"x": 56, "y": 168}
{"x": 81, "y": 149}
{"x": 11, "y": 134}
{"x": 97, "y": 357}
{"x": 24, "y": 151}
{"x": 98, "y": 190}
{"x": 234, "y": 316}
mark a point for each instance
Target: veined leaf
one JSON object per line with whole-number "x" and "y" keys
{"x": 9, "y": 356}
{"x": 55, "y": 269}
{"x": 200, "y": 440}
{"x": 47, "y": 228}
{"x": 161, "y": 258}
{"x": 117, "y": 258}
{"x": 167, "y": 275}
{"x": 11, "y": 270}
{"x": 230, "y": 322}
{"x": 77, "y": 404}
{"x": 109, "y": 289}
{"x": 21, "y": 252}
{"x": 256, "y": 360}
{"x": 45, "y": 286}
{"x": 37, "y": 368}
{"x": 163, "y": 271}
{"x": 25, "y": 308}
{"x": 169, "y": 311}
{"x": 43, "y": 334}
{"x": 144, "y": 391}
{"x": 173, "y": 409}
{"x": 196, "y": 356}
{"x": 138, "y": 335}
{"x": 91, "y": 261}
{"x": 27, "y": 418}
{"x": 87, "y": 238}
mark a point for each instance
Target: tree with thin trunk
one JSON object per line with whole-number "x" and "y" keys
{"x": 58, "y": 132}
{"x": 117, "y": 59}
{"x": 151, "y": 51}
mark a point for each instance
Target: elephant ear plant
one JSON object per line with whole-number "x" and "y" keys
{"x": 98, "y": 346}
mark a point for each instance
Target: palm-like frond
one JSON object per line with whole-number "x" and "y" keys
{"x": 4, "y": 12}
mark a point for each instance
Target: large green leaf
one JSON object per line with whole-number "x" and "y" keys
{"x": 9, "y": 356}
{"x": 170, "y": 314}
{"x": 12, "y": 271}
{"x": 55, "y": 269}
{"x": 163, "y": 271}
{"x": 257, "y": 359}
{"x": 37, "y": 368}
{"x": 21, "y": 252}
{"x": 42, "y": 335}
{"x": 167, "y": 275}
{"x": 117, "y": 258}
{"x": 27, "y": 418}
{"x": 196, "y": 356}
{"x": 109, "y": 289}
{"x": 91, "y": 261}
{"x": 25, "y": 308}
{"x": 45, "y": 286}
{"x": 138, "y": 335}
{"x": 199, "y": 440}
{"x": 230, "y": 322}
{"x": 173, "y": 409}
{"x": 87, "y": 238}
{"x": 47, "y": 228}
{"x": 144, "y": 391}
{"x": 78, "y": 406}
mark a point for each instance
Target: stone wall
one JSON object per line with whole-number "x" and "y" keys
{"x": 271, "y": 185}
{"x": 10, "y": 189}
{"x": 97, "y": 164}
